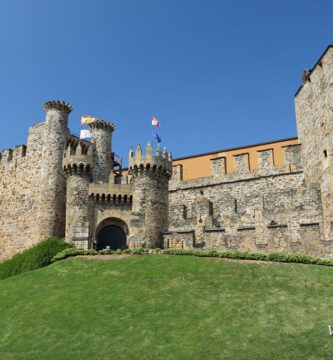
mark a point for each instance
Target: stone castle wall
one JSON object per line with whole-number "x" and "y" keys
{"x": 52, "y": 181}
{"x": 32, "y": 184}
{"x": 314, "y": 111}
{"x": 314, "y": 115}
{"x": 19, "y": 194}
{"x": 102, "y": 161}
{"x": 79, "y": 207}
{"x": 150, "y": 179}
{"x": 267, "y": 210}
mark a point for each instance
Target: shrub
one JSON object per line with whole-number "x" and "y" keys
{"x": 37, "y": 256}
{"x": 66, "y": 253}
{"x": 138, "y": 251}
{"x": 207, "y": 253}
{"x": 154, "y": 251}
{"x": 179, "y": 251}
{"x": 277, "y": 257}
{"x": 89, "y": 252}
{"x": 106, "y": 252}
{"x": 231, "y": 254}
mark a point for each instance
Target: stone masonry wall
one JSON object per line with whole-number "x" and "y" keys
{"x": 79, "y": 207}
{"x": 267, "y": 210}
{"x": 102, "y": 138}
{"x": 150, "y": 180}
{"x": 19, "y": 190}
{"x": 153, "y": 203}
{"x": 314, "y": 114}
{"x": 52, "y": 197}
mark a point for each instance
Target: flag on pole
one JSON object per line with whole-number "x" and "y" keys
{"x": 86, "y": 119}
{"x": 156, "y": 136}
{"x": 85, "y": 134}
{"x": 154, "y": 121}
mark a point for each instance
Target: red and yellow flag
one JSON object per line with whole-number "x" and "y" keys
{"x": 86, "y": 119}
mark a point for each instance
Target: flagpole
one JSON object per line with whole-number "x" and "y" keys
{"x": 151, "y": 134}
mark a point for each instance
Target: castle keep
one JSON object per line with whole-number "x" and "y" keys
{"x": 274, "y": 197}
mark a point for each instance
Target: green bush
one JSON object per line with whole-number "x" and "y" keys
{"x": 106, "y": 252}
{"x": 138, "y": 251}
{"x": 89, "y": 252}
{"x": 38, "y": 256}
{"x": 66, "y": 253}
{"x": 179, "y": 251}
{"x": 234, "y": 254}
{"x": 207, "y": 253}
{"x": 277, "y": 257}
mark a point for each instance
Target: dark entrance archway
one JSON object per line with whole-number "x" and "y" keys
{"x": 111, "y": 237}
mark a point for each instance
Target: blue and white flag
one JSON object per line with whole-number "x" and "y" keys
{"x": 156, "y": 136}
{"x": 85, "y": 134}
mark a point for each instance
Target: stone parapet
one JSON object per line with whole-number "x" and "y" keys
{"x": 161, "y": 164}
{"x": 78, "y": 159}
{"x": 118, "y": 194}
{"x": 102, "y": 124}
{"x": 292, "y": 162}
{"x": 228, "y": 179}
{"x": 292, "y": 157}
{"x": 59, "y": 106}
{"x": 11, "y": 156}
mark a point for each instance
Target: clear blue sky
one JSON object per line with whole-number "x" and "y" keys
{"x": 216, "y": 73}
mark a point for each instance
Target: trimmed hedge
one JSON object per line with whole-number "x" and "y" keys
{"x": 37, "y": 256}
{"x": 277, "y": 257}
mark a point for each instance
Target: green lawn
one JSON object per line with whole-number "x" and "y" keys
{"x": 167, "y": 307}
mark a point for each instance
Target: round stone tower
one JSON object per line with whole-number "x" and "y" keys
{"x": 51, "y": 220}
{"x": 102, "y": 160}
{"x": 77, "y": 164}
{"x": 150, "y": 179}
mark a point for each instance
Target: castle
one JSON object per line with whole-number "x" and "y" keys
{"x": 273, "y": 197}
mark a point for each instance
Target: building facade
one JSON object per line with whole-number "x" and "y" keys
{"x": 272, "y": 197}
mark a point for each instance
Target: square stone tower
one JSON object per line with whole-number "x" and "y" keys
{"x": 314, "y": 114}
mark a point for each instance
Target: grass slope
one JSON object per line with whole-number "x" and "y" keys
{"x": 167, "y": 307}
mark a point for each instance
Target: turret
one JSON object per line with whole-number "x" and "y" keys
{"x": 150, "y": 177}
{"x": 77, "y": 164}
{"x": 51, "y": 220}
{"x": 102, "y": 161}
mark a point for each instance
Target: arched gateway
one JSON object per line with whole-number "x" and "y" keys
{"x": 111, "y": 234}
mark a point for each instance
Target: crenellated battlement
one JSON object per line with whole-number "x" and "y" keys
{"x": 292, "y": 157}
{"x": 59, "y": 105}
{"x": 102, "y": 124}
{"x": 19, "y": 151}
{"x": 292, "y": 162}
{"x": 11, "y": 156}
{"x": 117, "y": 194}
{"x": 7, "y": 155}
{"x": 161, "y": 163}
{"x": 78, "y": 158}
